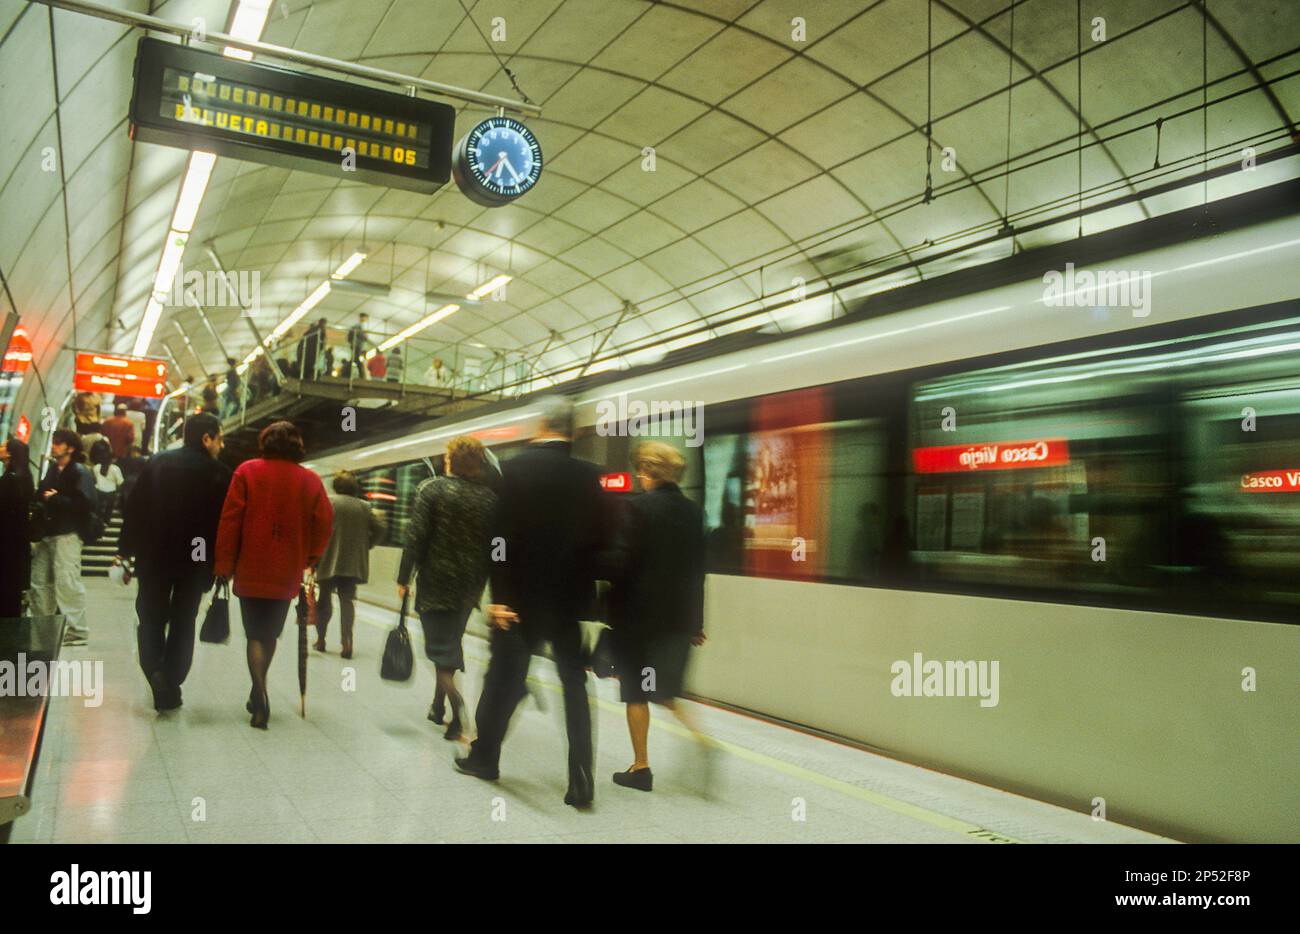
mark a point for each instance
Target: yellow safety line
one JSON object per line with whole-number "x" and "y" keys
{"x": 914, "y": 811}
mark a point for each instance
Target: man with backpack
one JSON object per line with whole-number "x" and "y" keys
{"x": 67, "y": 496}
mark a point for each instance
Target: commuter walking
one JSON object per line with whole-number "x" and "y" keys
{"x": 346, "y": 562}
{"x": 131, "y": 466}
{"x": 275, "y": 524}
{"x": 108, "y": 479}
{"x": 211, "y": 401}
{"x": 170, "y": 529}
{"x": 68, "y": 495}
{"x": 448, "y": 541}
{"x": 550, "y": 517}
{"x": 16, "y": 494}
{"x": 357, "y": 342}
{"x": 120, "y": 431}
{"x": 396, "y": 365}
{"x": 657, "y": 605}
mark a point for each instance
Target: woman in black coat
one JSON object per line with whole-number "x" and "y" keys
{"x": 657, "y": 606}
{"x": 16, "y": 493}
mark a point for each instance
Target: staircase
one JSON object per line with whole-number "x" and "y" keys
{"x": 96, "y": 559}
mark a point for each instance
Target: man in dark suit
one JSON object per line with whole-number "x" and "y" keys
{"x": 550, "y": 521}
{"x": 170, "y": 528}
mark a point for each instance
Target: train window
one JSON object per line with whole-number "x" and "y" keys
{"x": 794, "y": 489}
{"x": 391, "y": 494}
{"x": 1024, "y": 477}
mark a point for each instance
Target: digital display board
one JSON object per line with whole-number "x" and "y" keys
{"x": 192, "y": 99}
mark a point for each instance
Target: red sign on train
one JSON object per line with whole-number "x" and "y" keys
{"x": 1271, "y": 481}
{"x": 24, "y": 429}
{"x": 616, "y": 482}
{"x": 123, "y": 376}
{"x": 996, "y": 455}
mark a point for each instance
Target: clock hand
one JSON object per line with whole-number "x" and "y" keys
{"x": 512, "y": 171}
{"x": 488, "y": 173}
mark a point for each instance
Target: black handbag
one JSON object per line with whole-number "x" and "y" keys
{"x": 399, "y": 658}
{"x": 601, "y": 661}
{"x": 216, "y": 624}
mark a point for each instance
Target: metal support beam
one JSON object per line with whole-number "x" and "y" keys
{"x": 244, "y": 313}
{"x": 623, "y": 312}
{"x": 381, "y": 75}
{"x": 212, "y": 332}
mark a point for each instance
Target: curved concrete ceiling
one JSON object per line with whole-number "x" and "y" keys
{"x": 776, "y": 158}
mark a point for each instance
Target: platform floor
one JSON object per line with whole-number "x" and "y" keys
{"x": 366, "y": 766}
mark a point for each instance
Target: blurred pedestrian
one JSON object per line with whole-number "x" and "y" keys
{"x": 358, "y": 341}
{"x": 85, "y": 411}
{"x": 170, "y": 529}
{"x": 396, "y": 365}
{"x": 377, "y": 365}
{"x": 447, "y": 540}
{"x": 211, "y": 400}
{"x": 131, "y": 466}
{"x": 119, "y": 431}
{"x": 657, "y": 605}
{"x": 68, "y": 495}
{"x": 275, "y": 524}
{"x": 550, "y": 519}
{"x": 16, "y": 494}
{"x": 346, "y": 562}
{"x": 234, "y": 384}
{"x": 108, "y": 480}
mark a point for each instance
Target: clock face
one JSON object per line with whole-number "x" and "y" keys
{"x": 497, "y": 161}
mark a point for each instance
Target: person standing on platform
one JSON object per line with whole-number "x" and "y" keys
{"x": 119, "y": 431}
{"x": 68, "y": 495}
{"x": 447, "y": 539}
{"x": 550, "y": 518}
{"x": 657, "y": 605}
{"x": 108, "y": 480}
{"x": 396, "y": 365}
{"x": 170, "y": 529}
{"x": 234, "y": 383}
{"x": 357, "y": 342}
{"x": 138, "y": 415}
{"x": 211, "y": 400}
{"x": 16, "y": 493}
{"x": 131, "y": 466}
{"x": 346, "y": 562}
{"x": 377, "y": 365}
{"x": 275, "y": 523}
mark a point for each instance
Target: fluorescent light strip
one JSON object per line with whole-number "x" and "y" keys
{"x": 247, "y": 24}
{"x": 308, "y": 303}
{"x": 490, "y": 286}
{"x": 416, "y": 328}
{"x": 192, "y": 189}
{"x": 349, "y": 264}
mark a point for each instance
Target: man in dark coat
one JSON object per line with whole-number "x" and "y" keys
{"x": 551, "y": 523}
{"x": 170, "y": 529}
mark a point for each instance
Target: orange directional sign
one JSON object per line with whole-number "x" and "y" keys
{"x": 123, "y": 376}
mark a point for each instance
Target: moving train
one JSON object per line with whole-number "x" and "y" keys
{"x": 1016, "y": 464}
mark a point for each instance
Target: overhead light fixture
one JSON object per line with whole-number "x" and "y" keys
{"x": 373, "y": 289}
{"x": 349, "y": 264}
{"x": 249, "y": 19}
{"x": 308, "y": 303}
{"x": 416, "y": 328}
{"x": 444, "y": 298}
{"x": 247, "y": 23}
{"x": 490, "y": 286}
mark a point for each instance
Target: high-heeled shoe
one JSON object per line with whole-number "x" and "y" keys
{"x": 261, "y": 713}
{"x": 453, "y": 729}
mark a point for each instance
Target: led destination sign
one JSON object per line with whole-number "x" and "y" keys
{"x": 191, "y": 99}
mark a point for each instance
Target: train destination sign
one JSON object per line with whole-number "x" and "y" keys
{"x": 123, "y": 376}
{"x": 192, "y": 99}
{"x": 996, "y": 455}
{"x": 1271, "y": 481}
{"x": 616, "y": 482}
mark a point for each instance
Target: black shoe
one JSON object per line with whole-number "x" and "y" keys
{"x": 640, "y": 779}
{"x": 581, "y": 789}
{"x": 470, "y": 766}
{"x": 162, "y": 691}
{"x": 171, "y": 701}
{"x": 261, "y": 713}
{"x": 453, "y": 729}
{"x": 250, "y": 707}
{"x": 436, "y": 713}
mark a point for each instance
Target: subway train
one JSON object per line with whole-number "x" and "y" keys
{"x": 1091, "y": 496}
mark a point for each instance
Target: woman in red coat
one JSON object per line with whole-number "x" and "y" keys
{"x": 276, "y": 522}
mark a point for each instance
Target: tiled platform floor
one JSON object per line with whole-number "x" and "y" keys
{"x": 365, "y": 765}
